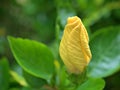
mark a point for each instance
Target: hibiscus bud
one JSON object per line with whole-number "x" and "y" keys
{"x": 74, "y": 46}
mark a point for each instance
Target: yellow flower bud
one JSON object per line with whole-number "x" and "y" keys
{"x": 74, "y": 46}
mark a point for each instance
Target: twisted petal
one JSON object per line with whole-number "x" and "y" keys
{"x": 74, "y": 48}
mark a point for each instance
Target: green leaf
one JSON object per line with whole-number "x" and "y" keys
{"x": 33, "y": 81}
{"x": 105, "y": 47}
{"x": 92, "y": 84}
{"x": 4, "y": 74}
{"x": 34, "y": 57}
{"x": 18, "y": 78}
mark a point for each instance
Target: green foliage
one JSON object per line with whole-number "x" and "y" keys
{"x": 44, "y": 21}
{"x": 106, "y": 52}
{"x": 34, "y": 57}
{"x": 33, "y": 81}
{"x": 4, "y": 74}
{"x": 18, "y": 78}
{"x": 92, "y": 84}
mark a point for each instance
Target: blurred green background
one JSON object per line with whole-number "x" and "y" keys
{"x": 44, "y": 21}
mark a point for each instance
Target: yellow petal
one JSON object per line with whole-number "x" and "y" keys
{"x": 74, "y": 48}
